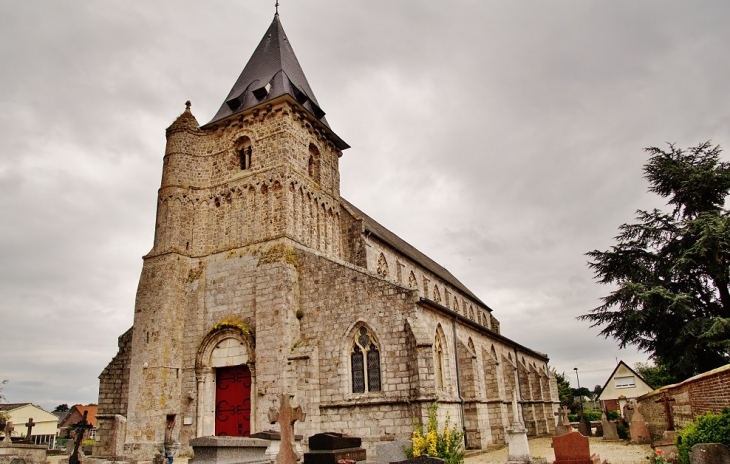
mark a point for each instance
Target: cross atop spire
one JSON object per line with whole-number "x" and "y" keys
{"x": 277, "y": 7}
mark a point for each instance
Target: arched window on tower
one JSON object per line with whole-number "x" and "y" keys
{"x": 314, "y": 163}
{"x": 244, "y": 150}
{"x": 364, "y": 362}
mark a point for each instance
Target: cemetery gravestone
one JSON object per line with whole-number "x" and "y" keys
{"x": 394, "y": 451}
{"x": 8, "y": 434}
{"x": 638, "y": 429}
{"x": 709, "y": 453}
{"x": 29, "y": 427}
{"x": 286, "y": 416}
{"x": 584, "y": 426}
{"x": 560, "y": 429}
{"x": 573, "y": 448}
{"x": 610, "y": 433}
{"x": 330, "y": 447}
{"x": 421, "y": 460}
{"x": 79, "y": 428}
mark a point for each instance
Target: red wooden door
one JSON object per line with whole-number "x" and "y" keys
{"x": 233, "y": 401}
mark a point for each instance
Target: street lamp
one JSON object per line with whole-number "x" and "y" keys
{"x": 579, "y": 394}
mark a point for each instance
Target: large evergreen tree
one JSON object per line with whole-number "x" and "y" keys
{"x": 670, "y": 271}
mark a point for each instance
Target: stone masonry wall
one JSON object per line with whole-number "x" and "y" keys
{"x": 114, "y": 379}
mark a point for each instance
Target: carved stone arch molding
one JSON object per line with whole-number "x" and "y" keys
{"x": 222, "y": 347}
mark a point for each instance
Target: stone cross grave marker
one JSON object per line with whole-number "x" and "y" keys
{"x": 560, "y": 429}
{"x": 79, "y": 428}
{"x": 286, "y": 416}
{"x": 29, "y": 425}
{"x": 665, "y": 399}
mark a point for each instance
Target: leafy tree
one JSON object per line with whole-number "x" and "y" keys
{"x": 671, "y": 271}
{"x": 564, "y": 391}
{"x": 3, "y": 415}
{"x": 656, "y": 375}
{"x": 2, "y": 385}
{"x": 61, "y": 408}
{"x": 597, "y": 391}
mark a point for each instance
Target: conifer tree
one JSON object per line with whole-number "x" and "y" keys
{"x": 670, "y": 271}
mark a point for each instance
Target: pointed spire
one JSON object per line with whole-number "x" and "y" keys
{"x": 185, "y": 121}
{"x": 272, "y": 71}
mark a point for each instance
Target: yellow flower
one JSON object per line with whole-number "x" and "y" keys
{"x": 431, "y": 440}
{"x": 419, "y": 443}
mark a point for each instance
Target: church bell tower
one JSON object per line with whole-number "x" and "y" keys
{"x": 261, "y": 177}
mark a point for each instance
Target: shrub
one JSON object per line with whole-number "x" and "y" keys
{"x": 613, "y": 415}
{"x": 622, "y": 431}
{"x": 588, "y": 414}
{"x": 710, "y": 428}
{"x": 446, "y": 445}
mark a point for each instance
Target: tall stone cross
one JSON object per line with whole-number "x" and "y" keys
{"x": 29, "y": 425}
{"x": 667, "y": 409}
{"x": 79, "y": 428}
{"x": 286, "y": 416}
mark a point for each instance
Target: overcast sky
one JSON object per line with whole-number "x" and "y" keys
{"x": 503, "y": 139}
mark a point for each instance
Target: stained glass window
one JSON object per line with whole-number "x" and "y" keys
{"x": 373, "y": 368}
{"x": 358, "y": 377}
{"x": 365, "y": 375}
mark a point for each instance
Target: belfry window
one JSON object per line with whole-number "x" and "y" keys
{"x": 244, "y": 150}
{"x": 364, "y": 362}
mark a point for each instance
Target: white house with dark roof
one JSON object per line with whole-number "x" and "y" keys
{"x": 623, "y": 382}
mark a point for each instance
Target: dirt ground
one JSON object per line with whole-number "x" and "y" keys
{"x": 612, "y": 452}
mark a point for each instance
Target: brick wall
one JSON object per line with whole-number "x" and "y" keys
{"x": 707, "y": 392}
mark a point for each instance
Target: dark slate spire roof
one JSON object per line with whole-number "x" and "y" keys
{"x": 272, "y": 71}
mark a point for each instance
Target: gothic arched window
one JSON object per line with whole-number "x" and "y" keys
{"x": 244, "y": 150}
{"x": 364, "y": 362}
{"x": 438, "y": 352}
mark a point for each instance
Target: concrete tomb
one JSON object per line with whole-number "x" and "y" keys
{"x": 421, "y": 460}
{"x": 229, "y": 450}
{"x": 274, "y": 439}
{"x": 330, "y": 447}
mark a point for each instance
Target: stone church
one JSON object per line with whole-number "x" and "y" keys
{"x": 263, "y": 280}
